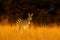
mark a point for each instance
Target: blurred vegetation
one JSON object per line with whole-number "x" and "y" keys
{"x": 13, "y": 9}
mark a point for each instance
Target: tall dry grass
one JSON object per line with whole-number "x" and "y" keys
{"x": 35, "y": 32}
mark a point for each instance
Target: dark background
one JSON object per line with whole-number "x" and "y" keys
{"x": 14, "y": 9}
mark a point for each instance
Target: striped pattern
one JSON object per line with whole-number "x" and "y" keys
{"x": 24, "y": 23}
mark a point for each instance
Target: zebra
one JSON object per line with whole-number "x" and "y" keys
{"x": 20, "y": 23}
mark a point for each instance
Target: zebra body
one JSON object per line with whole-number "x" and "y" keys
{"x": 24, "y": 23}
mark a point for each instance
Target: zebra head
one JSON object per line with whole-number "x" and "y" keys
{"x": 30, "y": 16}
{"x": 24, "y": 23}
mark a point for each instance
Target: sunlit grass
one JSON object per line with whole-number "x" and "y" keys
{"x": 42, "y": 32}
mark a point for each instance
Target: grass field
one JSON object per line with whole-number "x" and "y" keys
{"x": 8, "y": 32}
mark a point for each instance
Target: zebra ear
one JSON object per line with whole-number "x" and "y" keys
{"x": 28, "y": 14}
{"x": 31, "y": 14}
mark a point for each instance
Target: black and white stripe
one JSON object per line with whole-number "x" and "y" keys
{"x": 24, "y": 23}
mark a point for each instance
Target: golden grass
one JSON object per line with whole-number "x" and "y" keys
{"x": 8, "y": 32}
